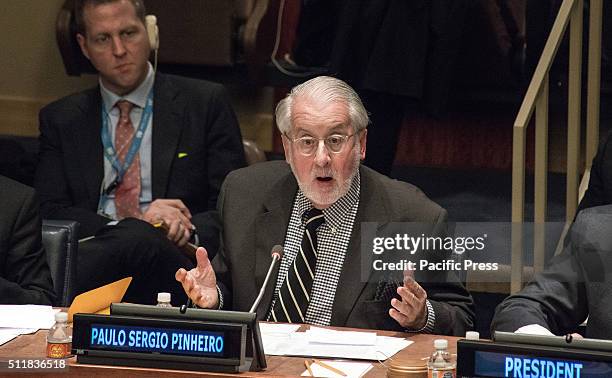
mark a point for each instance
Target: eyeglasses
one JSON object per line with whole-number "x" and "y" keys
{"x": 307, "y": 145}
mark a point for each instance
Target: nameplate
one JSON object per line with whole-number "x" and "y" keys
{"x": 159, "y": 342}
{"x": 502, "y": 359}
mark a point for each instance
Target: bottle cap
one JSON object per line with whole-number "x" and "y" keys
{"x": 472, "y": 335}
{"x": 61, "y": 316}
{"x": 163, "y": 297}
{"x": 440, "y": 343}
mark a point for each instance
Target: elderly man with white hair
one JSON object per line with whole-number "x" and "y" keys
{"x": 314, "y": 206}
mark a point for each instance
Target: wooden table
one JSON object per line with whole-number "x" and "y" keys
{"x": 34, "y": 346}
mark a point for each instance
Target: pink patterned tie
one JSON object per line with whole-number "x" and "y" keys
{"x": 127, "y": 195}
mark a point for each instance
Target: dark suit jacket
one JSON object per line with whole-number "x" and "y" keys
{"x": 599, "y": 191}
{"x": 576, "y": 284}
{"x": 24, "y": 273}
{"x": 189, "y": 116}
{"x": 255, "y": 207}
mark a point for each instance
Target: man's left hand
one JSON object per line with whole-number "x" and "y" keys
{"x": 200, "y": 283}
{"x": 411, "y": 311}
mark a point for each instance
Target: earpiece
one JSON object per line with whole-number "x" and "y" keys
{"x": 152, "y": 31}
{"x": 153, "y": 34}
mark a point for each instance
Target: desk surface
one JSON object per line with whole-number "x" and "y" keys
{"x": 34, "y": 346}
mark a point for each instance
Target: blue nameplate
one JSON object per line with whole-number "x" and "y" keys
{"x": 503, "y": 359}
{"x": 179, "y": 341}
{"x": 159, "y": 342}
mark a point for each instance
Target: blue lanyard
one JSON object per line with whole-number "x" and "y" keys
{"x": 109, "y": 151}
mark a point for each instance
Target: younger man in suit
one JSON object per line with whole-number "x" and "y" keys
{"x": 140, "y": 148}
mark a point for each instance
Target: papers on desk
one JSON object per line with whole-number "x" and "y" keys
{"x": 277, "y": 329}
{"x": 317, "y": 335}
{"x": 18, "y": 320}
{"x": 27, "y": 316}
{"x": 322, "y": 342}
{"x": 8, "y": 334}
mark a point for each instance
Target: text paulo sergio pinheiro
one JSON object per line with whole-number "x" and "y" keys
{"x": 411, "y": 244}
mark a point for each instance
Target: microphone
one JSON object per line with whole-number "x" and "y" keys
{"x": 277, "y": 254}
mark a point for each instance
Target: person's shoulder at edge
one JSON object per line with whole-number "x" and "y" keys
{"x": 16, "y": 192}
{"x": 15, "y": 188}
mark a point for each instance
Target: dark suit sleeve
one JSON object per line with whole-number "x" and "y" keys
{"x": 56, "y": 201}
{"x": 25, "y": 278}
{"x": 452, "y": 303}
{"x": 220, "y": 262}
{"x": 555, "y": 299}
{"x": 224, "y": 153}
{"x": 599, "y": 191}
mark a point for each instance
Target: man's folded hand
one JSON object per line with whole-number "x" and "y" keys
{"x": 175, "y": 215}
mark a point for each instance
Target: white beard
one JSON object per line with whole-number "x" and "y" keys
{"x": 340, "y": 188}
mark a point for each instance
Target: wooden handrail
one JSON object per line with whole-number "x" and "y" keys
{"x": 548, "y": 54}
{"x": 594, "y": 80}
{"x": 536, "y": 99}
{"x": 534, "y": 96}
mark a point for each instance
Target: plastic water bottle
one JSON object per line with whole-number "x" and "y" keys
{"x": 59, "y": 338}
{"x": 163, "y": 300}
{"x": 440, "y": 364}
